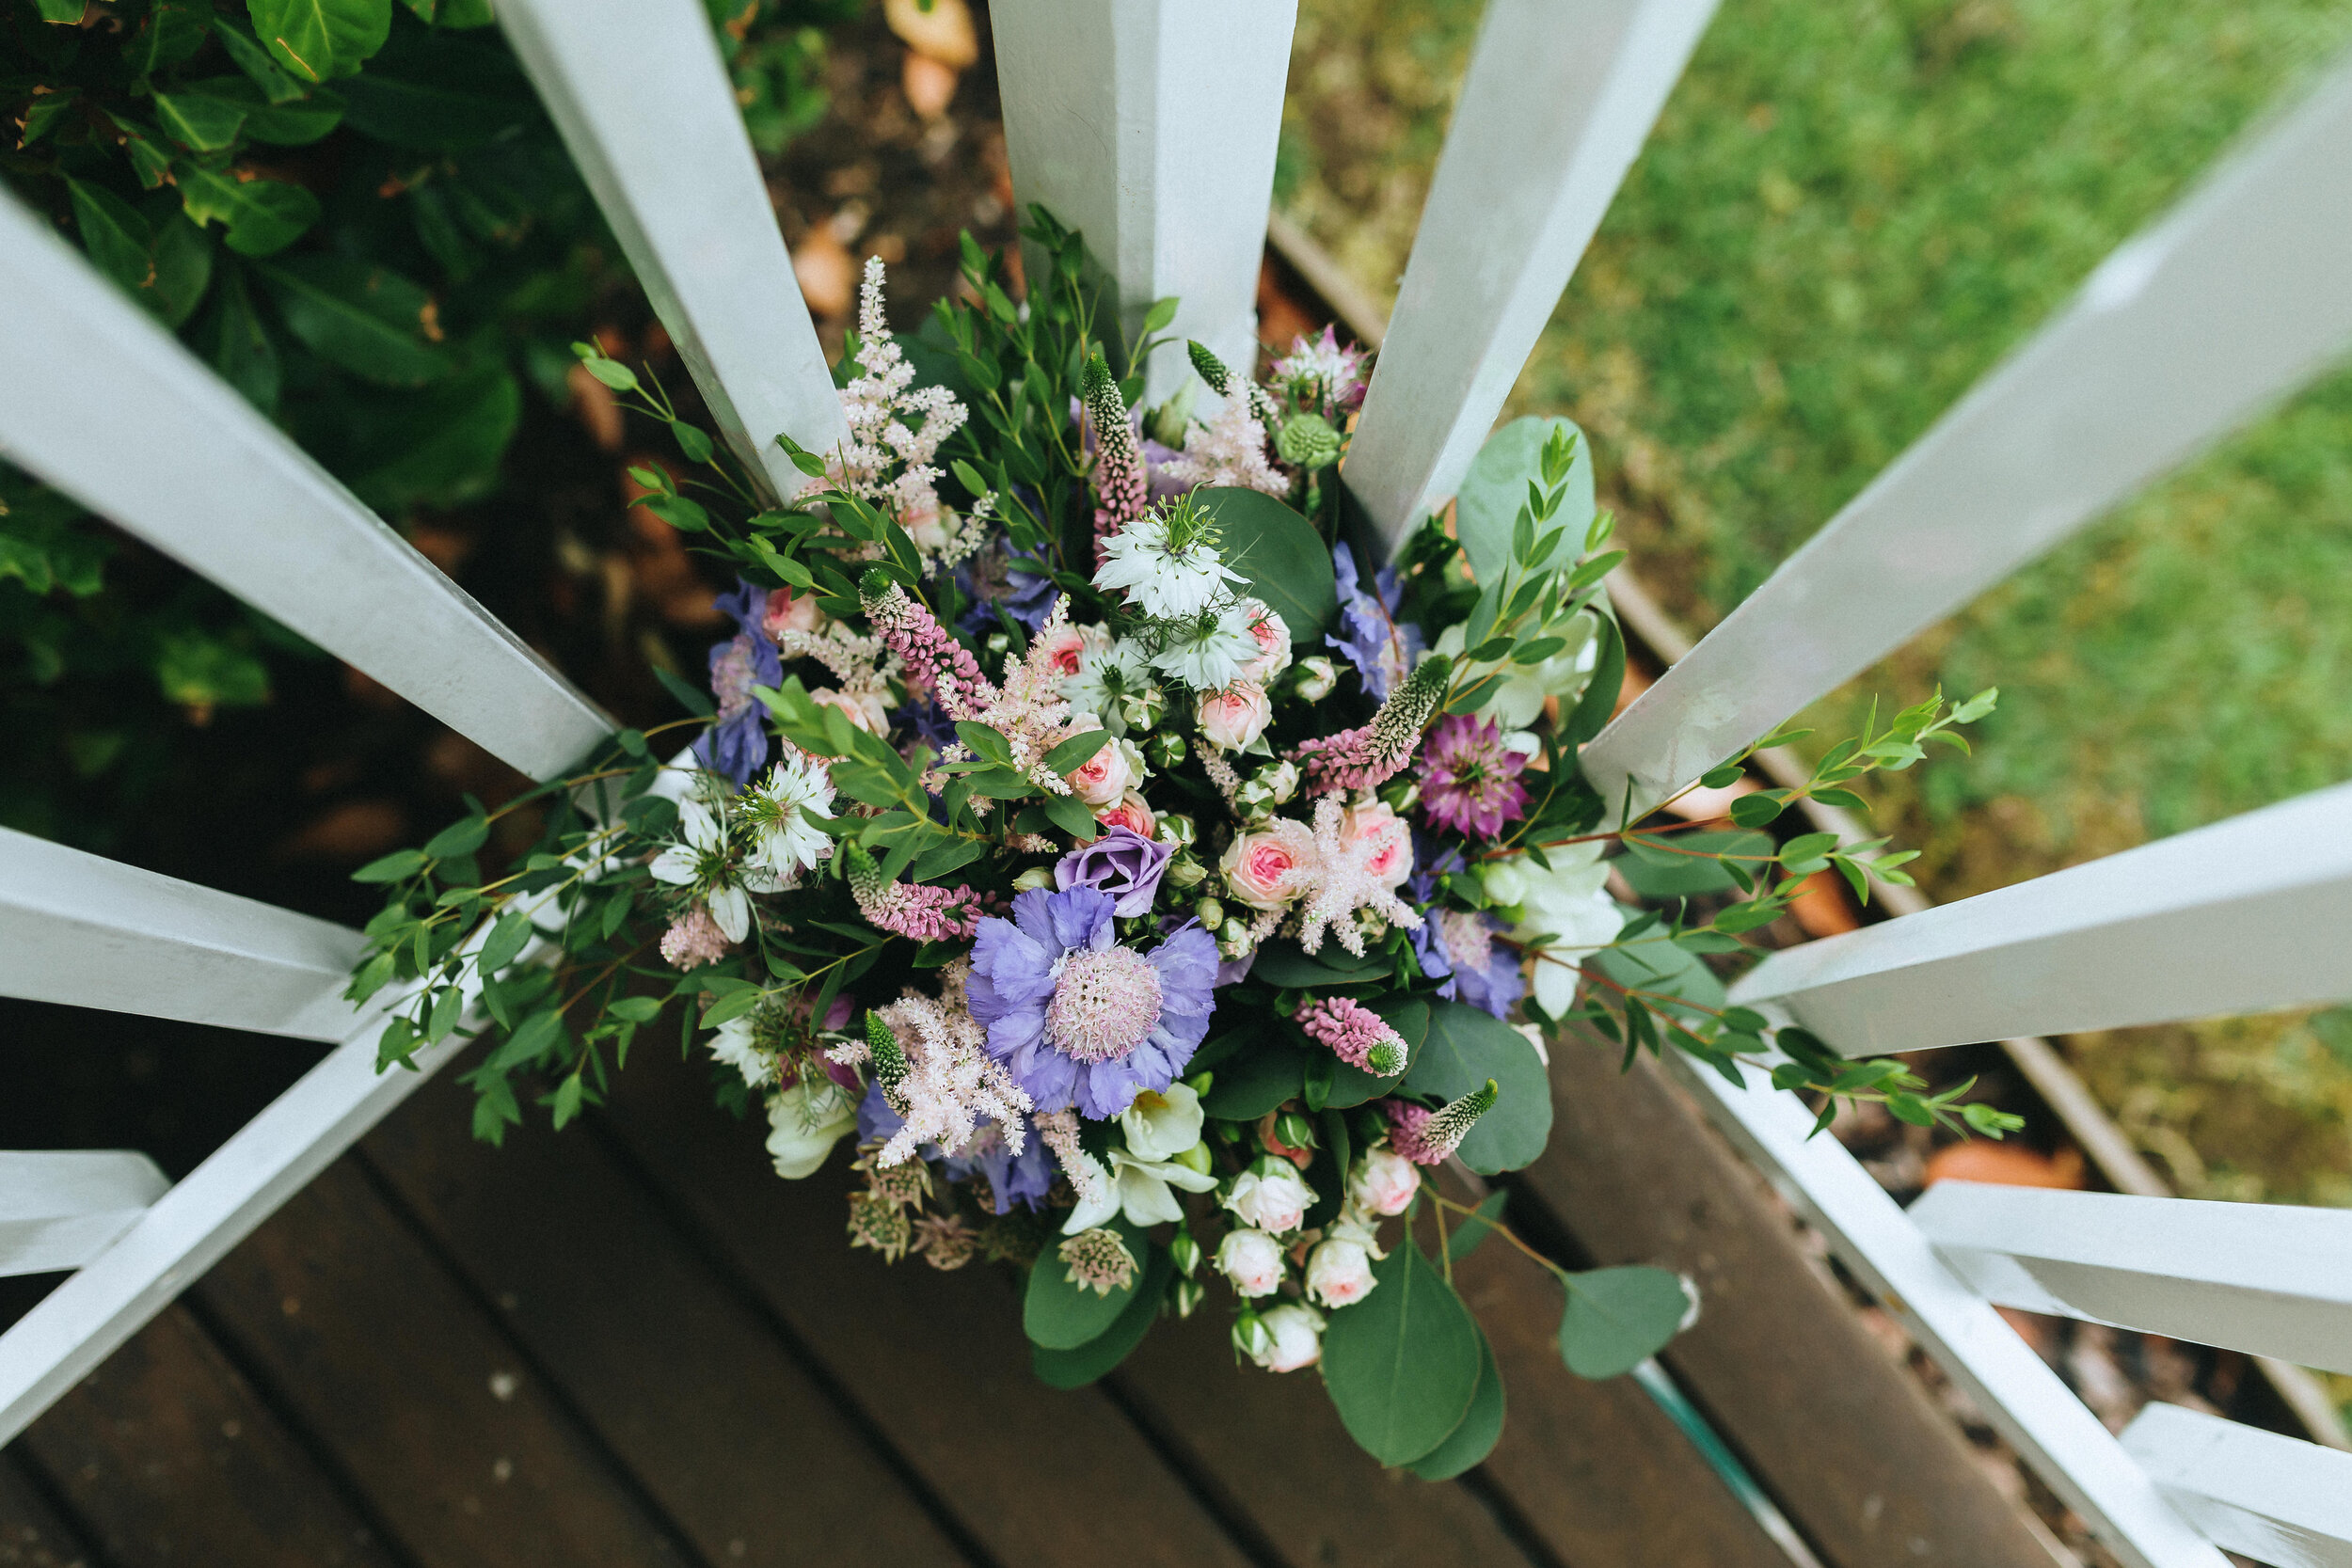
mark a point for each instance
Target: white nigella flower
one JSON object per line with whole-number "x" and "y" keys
{"x": 1568, "y": 906}
{"x": 781, "y": 811}
{"x": 1209, "y": 652}
{"x": 736, "y": 1044}
{"x": 701, "y": 859}
{"x": 1168, "y": 566}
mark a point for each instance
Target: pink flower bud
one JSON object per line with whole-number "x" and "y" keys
{"x": 1384, "y": 1182}
{"x": 1339, "y": 1273}
{"x": 1253, "y": 1260}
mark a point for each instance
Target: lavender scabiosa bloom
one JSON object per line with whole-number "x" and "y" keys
{"x": 1079, "y": 1019}
{"x": 737, "y": 742}
{"x": 1470, "y": 778}
{"x": 1382, "y": 648}
{"x": 1483, "y": 974}
{"x": 1123, "y": 863}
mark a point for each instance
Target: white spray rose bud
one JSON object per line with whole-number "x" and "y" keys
{"x": 1339, "y": 1273}
{"x": 1294, "y": 1333}
{"x": 1316, "y": 677}
{"x": 1271, "y": 1196}
{"x": 1253, "y": 1260}
{"x": 1384, "y": 1181}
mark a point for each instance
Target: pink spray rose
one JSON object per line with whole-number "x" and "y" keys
{"x": 1237, "y": 715}
{"x": 1267, "y": 867}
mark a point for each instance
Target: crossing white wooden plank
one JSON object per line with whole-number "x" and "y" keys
{"x": 78, "y": 929}
{"x": 2239, "y": 917}
{"x": 1559, "y": 98}
{"x": 2265, "y": 1279}
{"x": 60, "y": 1207}
{"x": 100, "y": 401}
{"x": 643, "y": 100}
{"x": 2234, "y": 299}
{"x": 1150, "y": 127}
{"x": 190, "y": 1228}
{"x": 2020, "y": 1395}
{"x": 2274, "y": 1498}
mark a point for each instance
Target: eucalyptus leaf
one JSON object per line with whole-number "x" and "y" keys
{"x": 1667, "y": 874}
{"x": 1486, "y": 506}
{"x": 1079, "y": 1367}
{"x": 1250, "y": 1088}
{"x": 1281, "y": 963}
{"x": 1466, "y": 1047}
{"x": 1402, "y": 1364}
{"x": 1279, "y": 555}
{"x": 1482, "y": 1427}
{"x": 1616, "y": 1319}
{"x": 1060, "y": 1315}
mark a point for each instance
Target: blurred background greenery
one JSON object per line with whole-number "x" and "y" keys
{"x": 1850, "y": 209}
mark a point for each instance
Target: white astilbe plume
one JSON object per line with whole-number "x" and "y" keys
{"x": 1059, "y": 1130}
{"x": 951, "y": 1082}
{"x": 1230, "y": 449}
{"x": 1029, "y": 710}
{"x": 861, "y": 666}
{"x": 1342, "y": 883}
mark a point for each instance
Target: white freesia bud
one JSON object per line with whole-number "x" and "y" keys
{"x": 1294, "y": 1333}
{"x": 805, "y": 1122}
{"x": 1384, "y": 1181}
{"x": 1253, "y": 1260}
{"x": 1271, "y": 1196}
{"x": 1339, "y": 1273}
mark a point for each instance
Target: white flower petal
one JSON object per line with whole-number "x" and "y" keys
{"x": 732, "y": 911}
{"x": 675, "y": 866}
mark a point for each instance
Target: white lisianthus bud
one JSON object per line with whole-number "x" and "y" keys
{"x": 1384, "y": 1181}
{"x": 1033, "y": 879}
{"x": 1295, "y": 1336}
{"x": 1162, "y": 1124}
{"x": 1253, "y": 1260}
{"x": 1339, "y": 1273}
{"x": 1271, "y": 1196}
{"x": 1316, "y": 677}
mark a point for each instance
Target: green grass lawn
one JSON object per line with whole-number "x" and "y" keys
{"x": 1852, "y": 209}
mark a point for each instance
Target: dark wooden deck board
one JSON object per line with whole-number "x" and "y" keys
{"x": 31, "y": 1534}
{"x": 687, "y": 1384}
{"x": 1846, "y": 1439}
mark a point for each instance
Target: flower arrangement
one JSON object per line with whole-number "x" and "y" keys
{"x": 1154, "y": 888}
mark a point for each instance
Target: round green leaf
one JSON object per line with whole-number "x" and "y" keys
{"x": 1280, "y": 963}
{"x": 1062, "y": 1316}
{"x": 1466, "y": 1047}
{"x": 1402, "y": 1364}
{"x": 1486, "y": 508}
{"x": 1616, "y": 1319}
{"x": 1250, "y": 1085}
{"x": 1475, "y": 1438}
{"x": 1074, "y": 1369}
{"x": 1284, "y": 559}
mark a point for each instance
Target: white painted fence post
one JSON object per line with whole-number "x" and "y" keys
{"x": 2272, "y": 1497}
{"x": 61, "y": 1208}
{"x": 1150, "y": 126}
{"x": 1560, "y": 96}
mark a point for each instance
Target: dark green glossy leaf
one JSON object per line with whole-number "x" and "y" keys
{"x": 198, "y": 119}
{"x": 1466, "y": 1047}
{"x": 1402, "y": 1365}
{"x": 317, "y": 39}
{"x": 1282, "y": 557}
{"x": 261, "y": 216}
{"x": 367, "y": 319}
{"x": 114, "y": 235}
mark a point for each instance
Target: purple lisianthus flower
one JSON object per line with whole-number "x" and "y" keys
{"x": 1024, "y": 1178}
{"x": 1123, "y": 863}
{"x": 1383, "y": 649}
{"x": 1077, "y": 1018}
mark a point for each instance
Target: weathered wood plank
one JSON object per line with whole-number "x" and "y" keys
{"x": 168, "y": 1457}
{"x": 936, "y": 1360}
{"x": 31, "y": 1534}
{"x": 1844, "y": 1440}
{"x": 465, "y": 1450}
{"x": 740, "y": 1445}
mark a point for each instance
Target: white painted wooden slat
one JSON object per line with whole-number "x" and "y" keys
{"x": 2265, "y": 1279}
{"x": 60, "y": 1207}
{"x": 190, "y": 1228}
{"x": 1150, "y": 126}
{"x": 1559, "y": 98}
{"x": 2238, "y": 296}
{"x": 78, "y": 929}
{"x": 2021, "y": 1396}
{"x": 643, "y": 100}
{"x": 2274, "y": 1498}
{"x": 2239, "y": 917}
{"x": 100, "y": 401}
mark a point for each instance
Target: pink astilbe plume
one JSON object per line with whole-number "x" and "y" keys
{"x": 1356, "y": 1034}
{"x": 1058, "y": 1131}
{"x": 910, "y": 909}
{"x": 1344, "y": 882}
{"x": 1230, "y": 449}
{"x": 1121, "y": 489}
{"x": 929, "y": 652}
{"x": 693, "y": 939}
{"x": 1369, "y": 755}
{"x": 1030, "y": 712}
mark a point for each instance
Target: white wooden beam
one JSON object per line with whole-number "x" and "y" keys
{"x": 2274, "y": 1498}
{"x": 2265, "y": 1279}
{"x": 643, "y": 100}
{"x": 2242, "y": 916}
{"x": 1560, "y": 96}
{"x": 97, "y": 398}
{"x": 2020, "y": 1396}
{"x": 92, "y": 932}
{"x": 1150, "y": 126}
{"x": 2234, "y": 299}
{"x": 58, "y": 1209}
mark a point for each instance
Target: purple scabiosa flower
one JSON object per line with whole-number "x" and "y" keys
{"x": 737, "y": 742}
{"x": 1382, "y": 648}
{"x": 1470, "y": 778}
{"x": 1483, "y": 974}
{"x": 1080, "y": 1019}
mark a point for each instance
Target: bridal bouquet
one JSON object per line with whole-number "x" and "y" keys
{"x": 1154, "y": 889}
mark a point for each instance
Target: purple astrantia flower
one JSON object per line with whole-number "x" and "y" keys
{"x": 1383, "y": 649}
{"x": 1470, "y": 778}
{"x": 1077, "y": 1018}
{"x": 1024, "y": 1178}
{"x": 1123, "y": 863}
